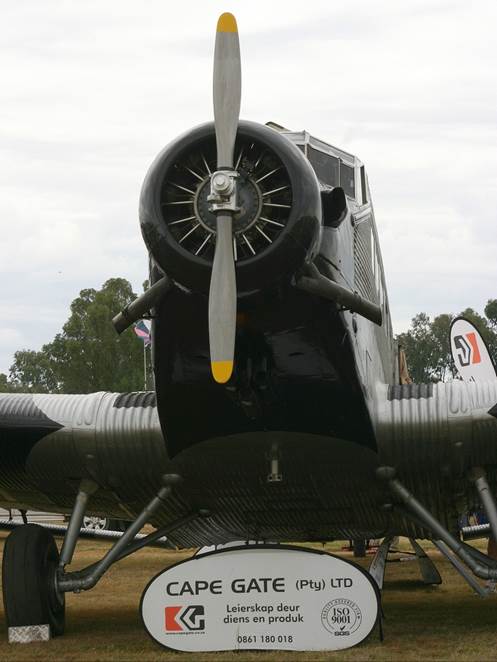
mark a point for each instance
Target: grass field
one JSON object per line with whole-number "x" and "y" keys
{"x": 447, "y": 622}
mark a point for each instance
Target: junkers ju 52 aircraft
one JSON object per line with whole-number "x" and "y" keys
{"x": 278, "y": 412}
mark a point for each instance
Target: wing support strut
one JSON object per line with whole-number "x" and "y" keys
{"x": 461, "y": 568}
{"x": 142, "y": 305}
{"x": 479, "y": 477}
{"x": 87, "y": 578}
{"x": 86, "y": 489}
{"x": 315, "y": 283}
{"x": 482, "y": 566}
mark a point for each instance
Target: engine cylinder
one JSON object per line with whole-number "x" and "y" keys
{"x": 278, "y": 224}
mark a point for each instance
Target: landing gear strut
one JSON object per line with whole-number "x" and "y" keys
{"x": 34, "y": 576}
{"x": 481, "y": 565}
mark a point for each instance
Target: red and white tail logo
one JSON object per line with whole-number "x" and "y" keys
{"x": 470, "y": 353}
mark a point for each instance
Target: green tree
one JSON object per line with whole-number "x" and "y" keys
{"x": 32, "y": 372}
{"x": 6, "y": 386}
{"x": 443, "y": 367}
{"x": 427, "y": 343}
{"x": 491, "y": 315}
{"x": 421, "y": 348}
{"x": 491, "y": 312}
{"x": 87, "y": 355}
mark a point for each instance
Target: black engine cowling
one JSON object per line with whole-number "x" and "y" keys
{"x": 276, "y": 230}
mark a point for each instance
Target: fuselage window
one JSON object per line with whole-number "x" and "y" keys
{"x": 325, "y": 166}
{"x": 373, "y": 254}
{"x": 364, "y": 187}
{"x": 378, "y": 283}
{"x": 347, "y": 181}
{"x": 376, "y": 271}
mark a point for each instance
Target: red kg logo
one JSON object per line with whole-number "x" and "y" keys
{"x": 467, "y": 349}
{"x": 184, "y": 619}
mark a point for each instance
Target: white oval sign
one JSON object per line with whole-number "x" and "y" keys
{"x": 470, "y": 353}
{"x": 262, "y": 598}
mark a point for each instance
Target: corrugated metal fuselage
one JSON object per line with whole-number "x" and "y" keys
{"x": 287, "y": 450}
{"x": 298, "y": 395}
{"x": 301, "y": 394}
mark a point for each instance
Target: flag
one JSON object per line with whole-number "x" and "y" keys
{"x": 143, "y": 332}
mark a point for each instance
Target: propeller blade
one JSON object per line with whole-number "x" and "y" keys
{"x": 222, "y": 302}
{"x": 227, "y": 85}
{"x": 227, "y": 88}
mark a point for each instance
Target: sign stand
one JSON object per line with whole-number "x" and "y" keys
{"x": 261, "y": 597}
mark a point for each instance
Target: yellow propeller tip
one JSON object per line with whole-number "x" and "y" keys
{"x": 227, "y": 23}
{"x": 221, "y": 371}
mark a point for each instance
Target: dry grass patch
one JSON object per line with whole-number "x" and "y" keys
{"x": 447, "y": 622}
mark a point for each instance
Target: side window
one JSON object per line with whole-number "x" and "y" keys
{"x": 377, "y": 275}
{"x": 347, "y": 180}
{"x": 376, "y": 264}
{"x": 364, "y": 186}
{"x": 325, "y": 166}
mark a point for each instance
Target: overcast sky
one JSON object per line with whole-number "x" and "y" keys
{"x": 91, "y": 91}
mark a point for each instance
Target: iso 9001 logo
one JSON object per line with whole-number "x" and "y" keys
{"x": 341, "y": 617}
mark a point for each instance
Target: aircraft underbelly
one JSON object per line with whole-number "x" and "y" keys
{"x": 282, "y": 486}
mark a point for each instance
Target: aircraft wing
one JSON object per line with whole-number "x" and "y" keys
{"x": 48, "y": 443}
{"x": 432, "y": 434}
{"x": 447, "y": 428}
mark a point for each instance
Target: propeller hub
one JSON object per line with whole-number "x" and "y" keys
{"x": 221, "y": 184}
{"x": 223, "y": 191}
{"x": 249, "y": 205}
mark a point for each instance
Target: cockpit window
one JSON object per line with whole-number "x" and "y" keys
{"x": 347, "y": 181}
{"x": 325, "y": 166}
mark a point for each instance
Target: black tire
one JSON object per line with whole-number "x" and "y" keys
{"x": 30, "y": 560}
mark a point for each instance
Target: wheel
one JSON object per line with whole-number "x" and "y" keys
{"x": 95, "y": 523}
{"x": 30, "y": 561}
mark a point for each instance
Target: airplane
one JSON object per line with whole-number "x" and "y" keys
{"x": 278, "y": 412}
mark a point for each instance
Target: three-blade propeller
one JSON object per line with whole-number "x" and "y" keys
{"x": 222, "y": 293}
